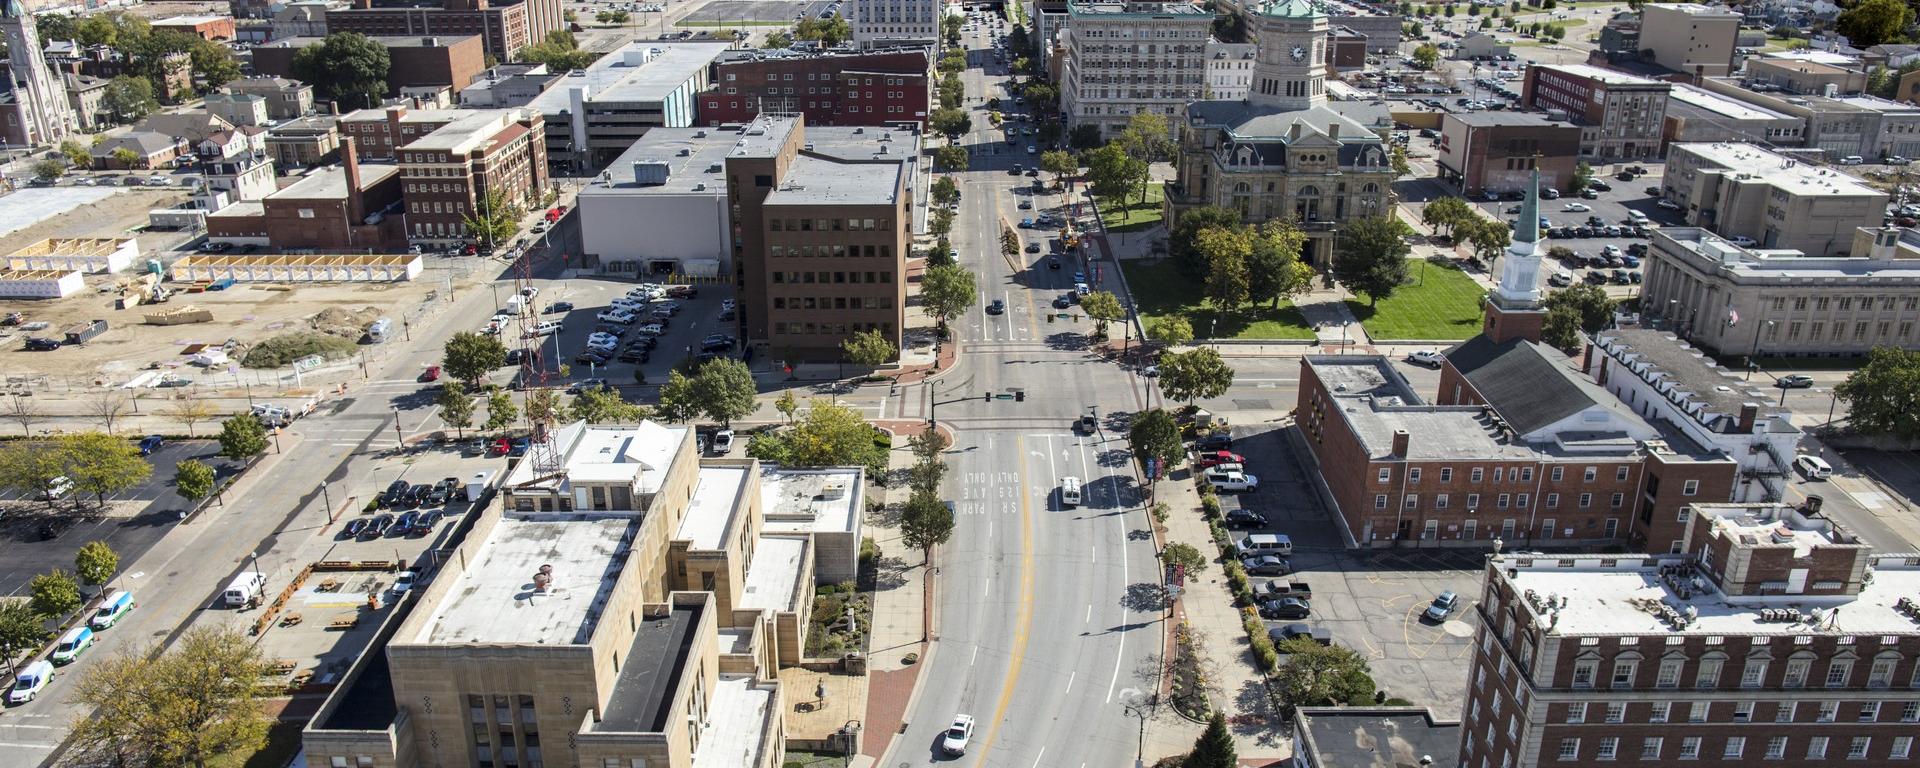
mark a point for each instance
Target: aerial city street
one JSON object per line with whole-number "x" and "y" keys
{"x": 1079, "y": 383}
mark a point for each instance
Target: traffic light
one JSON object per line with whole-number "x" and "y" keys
{"x": 1019, "y": 395}
{"x": 987, "y": 397}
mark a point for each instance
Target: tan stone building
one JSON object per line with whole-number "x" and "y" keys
{"x": 1769, "y": 200}
{"x": 1127, "y": 58}
{"x": 623, "y": 604}
{"x": 1690, "y": 38}
{"x": 1286, "y": 151}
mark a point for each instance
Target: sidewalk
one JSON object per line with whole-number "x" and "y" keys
{"x": 1207, "y": 607}
{"x": 902, "y": 615}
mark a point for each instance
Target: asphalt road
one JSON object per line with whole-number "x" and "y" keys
{"x": 1047, "y": 614}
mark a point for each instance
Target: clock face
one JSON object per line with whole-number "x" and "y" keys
{"x": 1299, "y": 53}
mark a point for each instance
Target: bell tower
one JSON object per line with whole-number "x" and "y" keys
{"x": 1290, "y": 71}
{"x": 1513, "y": 308}
{"x": 39, "y": 92}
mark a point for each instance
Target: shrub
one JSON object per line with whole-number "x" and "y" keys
{"x": 1210, "y": 506}
{"x": 1237, "y": 582}
{"x": 288, "y": 347}
{"x": 869, "y": 552}
{"x": 1160, "y": 511}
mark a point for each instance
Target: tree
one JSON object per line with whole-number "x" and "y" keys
{"x": 347, "y": 67}
{"x": 30, "y": 468}
{"x": 1585, "y": 308}
{"x": 49, "y": 168}
{"x": 944, "y": 191}
{"x": 725, "y": 390}
{"x": 495, "y": 220}
{"x": 925, "y": 475}
{"x": 54, "y": 26}
{"x": 1320, "y": 675}
{"x": 925, "y": 522}
{"x": 953, "y": 93}
{"x": 941, "y": 254}
{"x": 830, "y": 32}
{"x": 678, "y": 400}
{"x": 1275, "y": 270}
{"x": 1449, "y": 212}
{"x": 1214, "y": 748}
{"x": 242, "y": 437}
{"x": 952, "y": 122}
{"x": 128, "y": 98}
{"x": 1883, "y": 396}
{"x": 78, "y": 155}
{"x": 927, "y": 444}
{"x": 469, "y": 356}
{"x": 1171, "y": 330}
{"x": 1084, "y": 137}
{"x": 1194, "y": 374}
{"x": 946, "y": 292}
{"x": 1873, "y": 22}
{"x": 213, "y": 64}
{"x": 951, "y": 157}
{"x": 189, "y": 411}
{"x": 1145, "y": 137}
{"x": 1102, "y": 307}
{"x": 560, "y": 51}
{"x": 613, "y": 17}
{"x": 1154, "y": 435}
{"x": 1489, "y": 238}
{"x": 787, "y": 405}
{"x": 778, "y": 39}
{"x": 1372, "y": 257}
{"x": 193, "y": 480}
{"x": 501, "y": 412}
{"x": 1582, "y": 175}
{"x": 201, "y": 699}
{"x": 1111, "y": 171}
{"x": 20, "y": 629}
{"x": 456, "y": 407}
{"x": 868, "y": 348}
{"x": 941, "y": 224}
{"x": 543, "y": 405}
{"x": 1226, "y": 250}
{"x": 1060, "y": 163}
{"x": 604, "y": 405}
{"x": 1182, "y": 241}
{"x": 21, "y": 409}
{"x": 829, "y": 435}
{"x": 1426, "y": 56}
{"x": 124, "y": 157}
{"x": 54, "y": 594}
{"x": 96, "y": 563}
{"x": 99, "y": 463}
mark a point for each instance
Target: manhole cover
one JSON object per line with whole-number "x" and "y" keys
{"x": 1253, "y": 405}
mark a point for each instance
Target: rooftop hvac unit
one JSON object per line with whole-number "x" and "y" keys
{"x": 649, "y": 173}
{"x": 833, "y": 490}
{"x": 684, "y": 152}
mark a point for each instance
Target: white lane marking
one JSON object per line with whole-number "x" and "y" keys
{"x": 1036, "y": 758}
{"x": 1120, "y": 521}
{"x": 1070, "y": 678}
{"x": 976, "y": 656}
{"x": 1089, "y": 618}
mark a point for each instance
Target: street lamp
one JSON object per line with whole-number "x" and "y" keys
{"x": 1138, "y": 705}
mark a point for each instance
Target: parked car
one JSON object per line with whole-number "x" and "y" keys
{"x": 559, "y": 306}
{"x": 1215, "y": 458}
{"x": 1794, "y": 381}
{"x": 1214, "y": 441}
{"x": 402, "y": 524}
{"x": 1266, "y": 565}
{"x": 1245, "y": 518}
{"x": 377, "y": 527}
{"x": 1224, "y": 479}
{"x": 586, "y": 384}
{"x": 1813, "y": 467}
{"x": 1285, "y": 608}
{"x": 1426, "y": 357}
{"x": 615, "y": 316}
{"x": 353, "y": 528}
{"x": 1296, "y": 631}
{"x": 722, "y": 442}
{"x": 395, "y": 494}
{"x": 404, "y": 581}
{"x": 1443, "y": 606}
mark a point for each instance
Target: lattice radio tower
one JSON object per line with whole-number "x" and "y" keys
{"x": 541, "y": 450}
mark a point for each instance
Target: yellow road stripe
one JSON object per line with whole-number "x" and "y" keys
{"x": 1019, "y": 650}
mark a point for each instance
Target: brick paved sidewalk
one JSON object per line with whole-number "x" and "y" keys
{"x": 902, "y": 611}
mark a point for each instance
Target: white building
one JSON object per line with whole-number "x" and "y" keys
{"x": 1662, "y": 377}
{"x": 1126, "y": 58}
{"x": 661, "y": 207}
{"x": 82, "y": 254}
{"x": 645, "y": 85}
{"x": 889, "y": 23}
{"x": 40, "y": 283}
{"x": 1229, "y": 69}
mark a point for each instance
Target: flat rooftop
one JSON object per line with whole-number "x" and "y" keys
{"x": 1786, "y": 173}
{"x": 1375, "y": 401}
{"x": 1376, "y": 738}
{"x": 810, "y": 500}
{"x": 1777, "y": 524}
{"x": 1138, "y": 8}
{"x": 640, "y": 71}
{"x": 494, "y": 599}
{"x": 737, "y": 713}
{"x": 1713, "y": 253}
{"x": 774, "y": 574}
{"x": 701, "y": 170}
{"x": 819, "y": 181}
{"x": 467, "y": 132}
{"x": 379, "y": 115}
{"x": 1694, "y": 9}
{"x": 715, "y": 495}
{"x": 1689, "y": 370}
{"x": 639, "y": 454}
{"x": 1608, "y": 76}
{"x": 1616, "y": 595}
{"x": 1823, "y": 57}
{"x": 642, "y": 696}
{"x": 1721, "y": 106}
{"x": 331, "y": 183}
{"x": 1504, "y": 118}
{"x": 188, "y": 20}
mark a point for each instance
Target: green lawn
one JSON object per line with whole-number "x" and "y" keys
{"x": 1160, "y": 290}
{"x": 1135, "y": 215}
{"x": 283, "y": 740}
{"x": 1441, "y": 304}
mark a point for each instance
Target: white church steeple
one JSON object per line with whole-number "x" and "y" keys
{"x": 1519, "y": 285}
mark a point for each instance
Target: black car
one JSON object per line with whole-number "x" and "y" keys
{"x": 1245, "y": 518}
{"x": 1062, "y": 302}
{"x": 423, "y": 525}
{"x": 395, "y": 494}
{"x": 42, "y": 344}
{"x": 644, "y": 342}
{"x": 634, "y": 356}
{"x": 456, "y": 490}
{"x": 616, "y": 331}
{"x": 591, "y": 358}
{"x": 376, "y": 527}
{"x": 515, "y": 356}
{"x": 1285, "y": 608}
{"x": 716, "y": 343}
{"x": 402, "y": 524}
{"x": 1599, "y": 186}
{"x": 436, "y": 496}
{"x": 559, "y": 306}
{"x": 996, "y": 307}
{"x": 1213, "y": 441}
{"x": 419, "y": 495}
{"x": 353, "y": 529}
{"x": 1053, "y": 262}
{"x": 1033, "y": 247}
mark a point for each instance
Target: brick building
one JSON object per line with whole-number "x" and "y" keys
{"x": 419, "y": 61}
{"x": 381, "y": 132}
{"x": 354, "y": 208}
{"x": 209, "y": 28}
{"x": 504, "y": 27}
{"x": 448, "y": 174}
{"x": 1620, "y": 115}
{"x": 1497, "y": 151}
{"x": 865, "y": 88}
{"x": 1775, "y": 635}
{"x": 304, "y": 142}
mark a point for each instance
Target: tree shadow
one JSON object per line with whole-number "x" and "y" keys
{"x": 891, "y": 573}
{"x": 1067, "y": 341}
{"x": 1113, "y": 458}
{"x": 887, "y": 516}
{"x": 1144, "y": 597}
{"x": 1257, "y": 717}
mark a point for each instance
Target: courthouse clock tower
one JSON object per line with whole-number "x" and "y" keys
{"x": 1291, "y": 71}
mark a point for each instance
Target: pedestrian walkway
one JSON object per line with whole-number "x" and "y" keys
{"x": 1207, "y": 607}
{"x": 898, "y": 645}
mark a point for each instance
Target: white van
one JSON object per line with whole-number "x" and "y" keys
{"x": 244, "y": 588}
{"x": 380, "y": 331}
{"x": 1069, "y": 491}
{"x": 75, "y": 642}
{"x": 111, "y": 609}
{"x": 1277, "y": 544}
{"x": 28, "y": 682}
{"x": 1813, "y": 467}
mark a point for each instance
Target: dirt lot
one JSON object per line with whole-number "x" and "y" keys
{"x": 117, "y": 215}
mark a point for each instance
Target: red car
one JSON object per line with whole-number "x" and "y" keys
{"x": 1216, "y": 458}
{"x": 498, "y": 447}
{"x": 432, "y": 373}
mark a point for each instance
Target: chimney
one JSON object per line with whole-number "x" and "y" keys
{"x": 350, "y": 159}
{"x": 1748, "y": 412}
{"x": 1333, "y": 131}
{"x": 1400, "y": 439}
{"x": 1293, "y": 132}
{"x": 1586, "y": 361}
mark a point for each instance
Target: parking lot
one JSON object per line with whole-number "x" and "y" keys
{"x": 1370, "y": 600}
{"x": 696, "y": 318}
{"x": 37, "y": 537}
